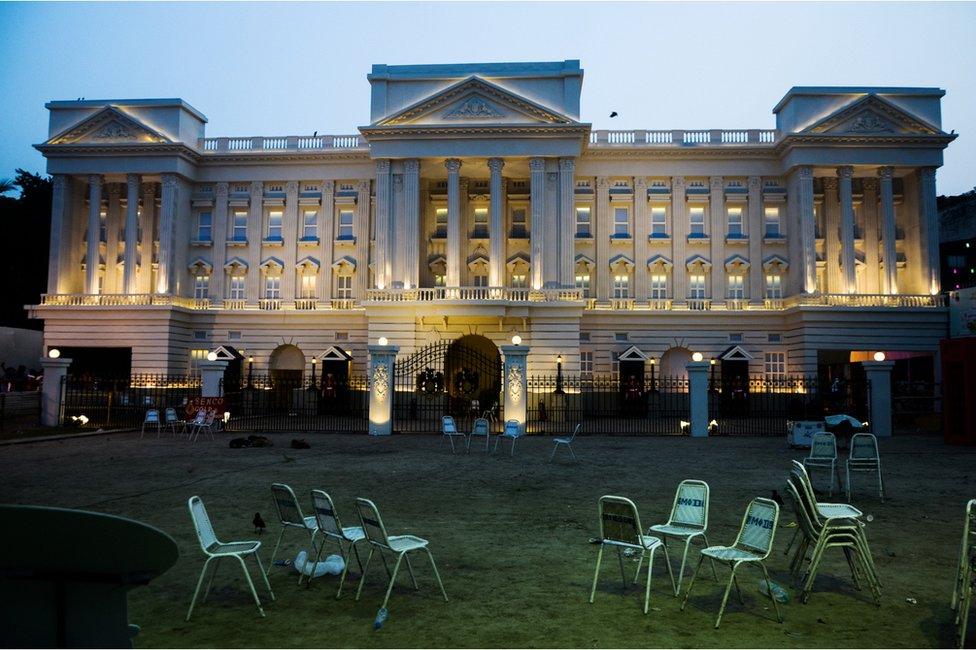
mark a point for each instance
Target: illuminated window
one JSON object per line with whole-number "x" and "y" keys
{"x": 583, "y": 282}
{"x": 272, "y": 287}
{"x": 659, "y": 287}
{"x": 736, "y": 287}
{"x": 344, "y": 287}
{"x": 310, "y": 227}
{"x": 237, "y": 287}
{"x": 438, "y": 280}
{"x": 583, "y": 222}
{"x": 480, "y": 223}
{"x": 772, "y": 222}
{"x": 621, "y": 286}
{"x": 775, "y": 363}
{"x": 696, "y": 286}
{"x": 440, "y": 222}
{"x": 274, "y": 225}
{"x": 518, "y": 281}
{"x": 345, "y": 224}
{"x": 308, "y": 286}
{"x": 205, "y": 227}
{"x": 735, "y": 222}
{"x": 102, "y": 229}
{"x": 201, "y": 287}
{"x": 774, "y": 286}
{"x": 240, "y": 226}
{"x": 696, "y": 222}
{"x": 659, "y": 226}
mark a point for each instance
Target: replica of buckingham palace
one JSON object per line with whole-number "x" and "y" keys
{"x": 478, "y": 203}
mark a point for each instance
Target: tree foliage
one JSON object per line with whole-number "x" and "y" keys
{"x": 25, "y": 226}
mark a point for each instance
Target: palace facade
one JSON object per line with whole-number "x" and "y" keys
{"x": 477, "y": 201}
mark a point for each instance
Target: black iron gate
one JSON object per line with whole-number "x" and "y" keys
{"x": 445, "y": 378}
{"x": 276, "y": 403}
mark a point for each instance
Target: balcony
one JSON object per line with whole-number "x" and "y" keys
{"x": 269, "y": 304}
{"x": 868, "y": 300}
{"x": 305, "y": 304}
{"x": 473, "y": 294}
{"x": 683, "y": 138}
{"x": 290, "y": 143}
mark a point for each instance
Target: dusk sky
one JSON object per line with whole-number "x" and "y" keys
{"x": 295, "y": 68}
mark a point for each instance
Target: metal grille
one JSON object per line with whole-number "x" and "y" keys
{"x": 269, "y": 403}
{"x": 122, "y": 402}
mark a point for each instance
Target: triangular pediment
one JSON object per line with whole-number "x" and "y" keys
{"x": 110, "y": 125}
{"x": 872, "y": 115}
{"x": 735, "y": 353}
{"x": 474, "y": 101}
{"x": 334, "y": 353}
{"x": 632, "y": 353}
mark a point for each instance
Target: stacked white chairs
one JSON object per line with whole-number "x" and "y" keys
{"x": 688, "y": 521}
{"x": 823, "y": 455}
{"x": 621, "y": 529}
{"x": 332, "y": 529}
{"x": 752, "y": 546}
{"x": 450, "y": 430}
{"x": 864, "y": 458}
{"x": 152, "y": 420}
{"x": 513, "y": 431}
{"x": 291, "y": 517}
{"x": 215, "y": 550}
{"x": 398, "y": 545}
{"x": 173, "y": 420}
{"x": 482, "y": 427}
{"x": 962, "y": 594}
{"x": 565, "y": 442}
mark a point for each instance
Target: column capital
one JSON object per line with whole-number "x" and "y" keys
{"x": 221, "y": 190}
{"x": 805, "y": 171}
{"x": 640, "y": 183}
{"x": 133, "y": 181}
{"x": 382, "y": 165}
{"x": 567, "y": 164}
{"x": 870, "y": 183}
{"x": 114, "y": 190}
{"x": 291, "y": 187}
{"x": 257, "y": 187}
{"x": 716, "y": 182}
{"x": 830, "y": 183}
{"x": 677, "y": 182}
{"x": 149, "y": 189}
{"x": 363, "y": 185}
{"x": 496, "y": 164}
{"x": 602, "y": 182}
{"x": 453, "y": 165}
{"x": 845, "y": 172}
{"x": 59, "y": 182}
{"x": 95, "y": 180}
{"x": 169, "y": 180}
{"x": 886, "y": 173}
{"x": 537, "y": 164}
{"x": 927, "y": 173}
{"x": 411, "y": 166}
{"x": 755, "y": 182}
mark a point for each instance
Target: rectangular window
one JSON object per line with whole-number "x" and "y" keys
{"x": 274, "y": 225}
{"x": 518, "y": 223}
{"x": 621, "y": 286}
{"x": 774, "y": 286}
{"x": 772, "y": 222}
{"x": 621, "y": 222}
{"x": 344, "y": 287}
{"x": 481, "y": 280}
{"x": 201, "y": 287}
{"x": 237, "y": 287}
{"x": 659, "y": 287}
{"x": 310, "y": 226}
{"x": 345, "y": 224}
{"x": 308, "y": 286}
{"x": 234, "y": 335}
{"x": 736, "y": 287}
{"x": 775, "y": 365}
{"x": 440, "y": 222}
{"x": 583, "y": 282}
{"x": 200, "y": 335}
{"x": 696, "y": 222}
{"x": 205, "y": 227}
{"x": 659, "y": 226}
{"x": 735, "y": 337}
{"x": 438, "y": 280}
{"x": 696, "y": 287}
{"x": 583, "y": 222}
{"x": 735, "y": 222}
{"x": 518, "y": 281}
{"x": 240, "y": 226}
{"x": 586, "y": 363}
{"x": 621, "y": 337}
{"x": 585, "y": 337}
{"x": 480, "y": 223}
{"x": 272, "y": 287}
{"x": 342, "y": 336}
{"x": 773, "y": 338}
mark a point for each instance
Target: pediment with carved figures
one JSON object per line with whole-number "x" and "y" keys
{"x": 872, "y": 115}
{"x": 110, "y": 125}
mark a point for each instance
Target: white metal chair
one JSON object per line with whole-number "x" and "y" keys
{"x": 204, "y": 421}
{"x": 565, "y": 442}
{"x": 752, "y": 546}
{"x": 332, "y": 529}
{"x": 400, "y": 545}
{"x": 962, "y": 593}
{"x": 620, "y": 528}
{"x": 513, "y": 431}
{"x": 152, "y": 419}
{"x": 290, "y": 515}
{"x": 481, "y": 428}
{"x": 823, "y": 455}
{"x": 864, "y": 458}
{"x": 688, "y": 520}
{"x": 215, "y": 550}
{"x": 172, "y": 420}
{"x": 450, "y": 430}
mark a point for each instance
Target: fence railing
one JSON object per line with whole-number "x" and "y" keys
{"x": 19, "y": 409}
{"x": 299, "y": 404}
{"x": 122, "y": 401}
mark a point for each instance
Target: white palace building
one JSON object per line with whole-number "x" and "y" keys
{"x": 478, "y": 202}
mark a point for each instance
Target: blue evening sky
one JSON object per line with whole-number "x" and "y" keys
{"x": 291, "y": 69}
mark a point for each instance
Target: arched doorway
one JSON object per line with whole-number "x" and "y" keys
{"x": 473, "y": 372}
{"x": 674, "y": 362}
{"x": 287, "y": 364}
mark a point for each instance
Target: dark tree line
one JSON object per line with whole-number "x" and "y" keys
{"x": 25, "y": 226}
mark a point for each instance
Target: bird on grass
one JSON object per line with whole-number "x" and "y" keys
{"x": 259, "y": 525}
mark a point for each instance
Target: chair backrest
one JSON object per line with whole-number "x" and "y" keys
{"x": 171, "y": 415}
{"x": 289, "y": 512}
{"x": 823, "y": 446}
{"x": 210, "y": 417}
{"x": 325, "y": 513}
{"x": 201, "y": 523}
{"x": 373, "y": 526}
{"x": 864, "y": 446}
{"x": 619, "y": 521}
{"x": 200, "y": 417}
{"x": 480, "y": 427}
{"x": 759, "y": 526}
{"x": 448, "y": 425}
{"x": 152, "y": 416}
{"x": 801, "y": 481}
{"x": 802, "y": 509}
{"x": 511, "y": 428}
{"x": 576, "y": 430}
{"x": 690, "y": 506}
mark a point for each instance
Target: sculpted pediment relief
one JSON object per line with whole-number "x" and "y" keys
{"x": 109, "y": 126}
{"x": 474, "y": 101}
{"x": 872, "y": 115}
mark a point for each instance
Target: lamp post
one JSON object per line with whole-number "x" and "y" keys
{"x": 250, "y": 370}
{"x": 559, "y": 376}
{"x": 711, "y": 380}
{"x": 653, "y": 388}
{"x": 313, "y": 371}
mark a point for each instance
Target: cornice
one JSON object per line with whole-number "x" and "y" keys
{"x": 473, "y": 131}
{"x": 872, "y": 140}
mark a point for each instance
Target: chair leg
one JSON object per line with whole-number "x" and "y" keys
{"x": 274, "y": 553}
{"x": 345, "y": 566}
{"x": 362, "y": 578}
{"x": 623, "y": 576}
{"x": 880, "y": 484}
{"x": 647, "y": 588}
{"x": 691, "y": 584}
{"x": 196, "y": 591}
{"x": 213, "y": 574}
{"x": 596, "y": 573}
{"x": 667, "y": 562}
{"x": 792, "y": 539}
{"x": 725, "y": 598}
{"x": 264, "y": 575}
{"x": 389, "y": 588}
{"x": 250, "y": 583}
{"x": 410, "y": 569}
{"x": 437, "y": 573}
{"x": 710, "y": 560}
{"x": 570, "y": 447}
{"x": 681, "y": 571}
{"x": 848, "y": 485}
{"x": 769, "y": 587}
{"x": 553, "y": 454}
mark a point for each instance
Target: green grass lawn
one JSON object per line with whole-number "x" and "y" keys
{"x": 510, "y": 538}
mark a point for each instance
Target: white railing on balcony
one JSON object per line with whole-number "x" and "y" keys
{"x": 682, "y": 137}
{"x": 736, "y": 304}
{"x": 306, "y": 303}
{"x": 283, "y": 143}
{"x": 871, "y": 300}
{"x": 659, "y": 304}
{"x": 269, "y": 304}
{"x": 342, "y": 303}
{"x": 699, "y": 304}
{"x": 773, "y": 303}
{"x": 235, "y": 303}
{"x": 476, "y": 294}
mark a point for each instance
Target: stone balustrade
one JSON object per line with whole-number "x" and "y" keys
{"x": 683, "y": 138}
{"x": 282, "y": 143}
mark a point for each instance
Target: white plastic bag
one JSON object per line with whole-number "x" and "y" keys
{"x": 332, "y": 565}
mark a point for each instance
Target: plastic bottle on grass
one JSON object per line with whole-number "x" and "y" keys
{"x": 380, "y": 618}
{"x": 779, "y": 594}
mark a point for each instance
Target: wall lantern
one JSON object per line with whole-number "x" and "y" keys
{"x": 54, "y": 353}
{"x": 384, "y": 341}
{"x": 211, "y": 356}
{"x": 697, "y": 356}
{"x": 879, "y": 356}
{"x": 516, "y": 340}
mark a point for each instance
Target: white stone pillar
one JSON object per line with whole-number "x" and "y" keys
{"x": 642, "y": 229}
{"x": 869, "y": 219}
{"x": 220, "y": 229}
{"x": 496, "y": 232}
{"x": 381, "y": 251}
{"x": 54, "y": 373}
{"x": 567, "y": 222}
{"x": 514, "y": 382}
{"x": 148, "y": 219}
{"x": 754, "y": 230}
{"x": 381, "y": 387}
{"x": 716, "y": 238}
{"x": 327, "y": 241}
{"x": 397, "y": 231}
{"x": 361, "y": 232}
{"x": 255, "y": 233}
{"x": 845, "y": 175}
{"x": 132, "y": 184}
{"x": 453, "y": 278}
{"x": 808, "y": 230}
{"x": 879, "y": 379}
{"x": 410, "y": 242}
{"x": 60, "y": 227}
{"x": 550, "y": 274}
{"x": 289, "y": 233}
{"x": 831, "y": 235}
{"x": 928, "y": 221}
{"x": 602, "y": 223}
{"x": 94, "y": 233}
{"x": 537, "y": 234}
{"x": 698, "y": 397}
{"x": 211, "y": 377}
{"x": 679, "y": 241}
{"x": 888, "y": 233}
{"x": 167, "y": 228}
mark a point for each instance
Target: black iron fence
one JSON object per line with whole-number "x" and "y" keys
{"x": 122, "y": 402}
{"x": 270, "y": 403}
{"x": 19, "y": 410}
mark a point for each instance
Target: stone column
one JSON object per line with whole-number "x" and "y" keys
{"x": 567, "y": 222}
{"x": 716, "y": 238}
{"x": 220, "y": 228}
{"x": 94, "y": 232}
{"x": 255, "y": 233}
{"x": 550, "y": 274}
{"x": 60, "y": 229}
{"x": 537, "y": 234}
{"x": 879, "y": 378}
{"x": 211, "y": 377}
{"x": 394, "y": 251}
{"x": 831, "y": 235}
{"x": 889, "y": 234}
{"x": 453, "y": 278}
{"x": 148, "y": 237}
{"x": 754, "y": 230}
{"x": 381, "y": 246}
{"x": 54, "y": 373}
{"x": 698, "y": 396}
{"x": 496, "y": 232}
{"x": 679, "y": 241}
{"x": 844, "y": 176}
{"x": 410, "y": 243}
{"x": 361, "y": 231}
{"x": 132, "y": 185}
{"x": 928, "y": 218}
{"x": 327, "y": 240}
{"x": 869, "y": 218}
{"x": 642, "y": 229}
{"x": 113, "y": 219}
{"x": 289, "y": 233}
{"x": 602, "y": 229}
{"x": 381, "y": 387}
{"x": 808, "y": 229}
{"x": 167, "y": 228}
{"x": 514, "y": 385}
